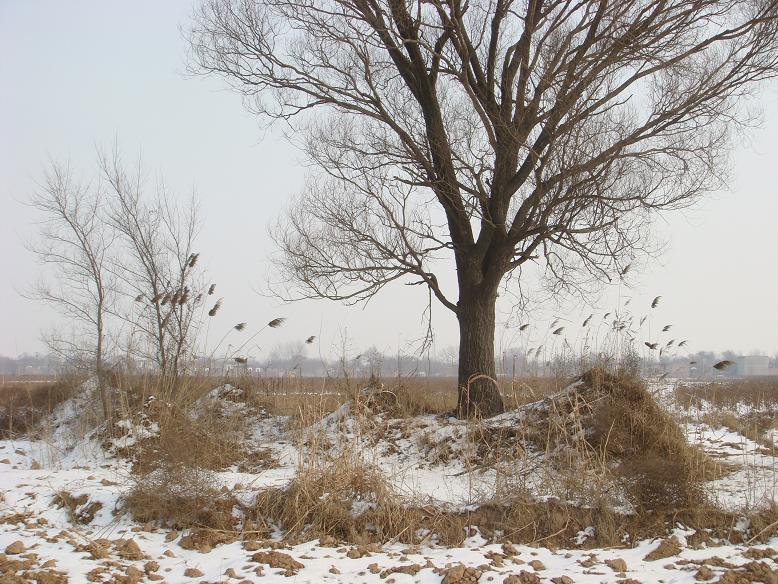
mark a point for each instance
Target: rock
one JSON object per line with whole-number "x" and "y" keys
{"x": 522, "y": 577}
{"x": 193, "y": 573}
{"x": 409, "y": 569}
{"x": 562, "y": 580}
{"x": 128, "y": 549}
{"x": 51, "y": 578}
{"x": 704, "y": 573}
{"x": 373, "y": 568}
{"x": 460, "y": 574}
{"x": 617, "y": 565}
{"x": 150, "y": 567}
{"x": 537, "y": 565}
{"x": 667, "y": 548}
{"x": 15, "y": 548}
{"x": 334, "y": 570}
{"x": 280, "y": 560}
{"x": 509, "y": 550}
{"x": 171, "y": 536}
{"x": 750, "y": 572}
{"x": 134, "y": 574}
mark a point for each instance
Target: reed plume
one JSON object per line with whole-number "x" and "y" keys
{"x": 722, "y": 365}
{"x": 215, "y": 308}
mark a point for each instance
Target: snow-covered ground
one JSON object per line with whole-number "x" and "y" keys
{"x": 426, "y": 461}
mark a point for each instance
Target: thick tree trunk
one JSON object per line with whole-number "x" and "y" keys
{"x": 479, "y": 395}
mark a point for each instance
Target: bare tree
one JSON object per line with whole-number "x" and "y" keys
{"x": 497, "y": 133}
{"x": 74, "y": 243}
{"x": 158, "y": 268}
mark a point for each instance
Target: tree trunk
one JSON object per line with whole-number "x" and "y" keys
{"x": 104, "y": 399}
{"x": 479, "y": 395}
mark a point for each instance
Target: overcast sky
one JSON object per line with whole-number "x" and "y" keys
{"x": 79, "y": 74}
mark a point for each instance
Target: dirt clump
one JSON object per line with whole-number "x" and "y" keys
{"x": 276, "y": 559}
{"x": 15, "y": 548}
{"x": 128, "y": 549}
{"x": 461, "y": 574}
{"x": 204, "y": 540}
{"x": 667, "y": 548}
{"x": 617, "y": 565}
{"x": 522, "y": 577}
{"x": 751, "y": 572}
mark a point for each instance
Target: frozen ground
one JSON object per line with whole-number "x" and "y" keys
{"x": 421, "y": 457}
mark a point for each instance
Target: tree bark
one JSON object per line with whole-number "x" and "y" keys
{"x": 479, "y": 395}
{"x": 104, "y": 399}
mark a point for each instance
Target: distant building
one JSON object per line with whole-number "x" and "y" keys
{"x": 753, "y": 365}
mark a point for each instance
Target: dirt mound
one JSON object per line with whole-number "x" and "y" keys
{"x": 613, "y": 423}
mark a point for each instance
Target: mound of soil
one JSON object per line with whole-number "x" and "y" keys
{"x": 612, "y": 421}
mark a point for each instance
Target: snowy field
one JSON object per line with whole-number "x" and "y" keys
{"x": 62, "y": 518}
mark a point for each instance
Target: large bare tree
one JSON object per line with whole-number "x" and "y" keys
{"x": 495, "y": 132}
{"x": 75, "y": 243}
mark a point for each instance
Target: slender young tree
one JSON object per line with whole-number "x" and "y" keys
{"x": 158, "y": 266}
{"x": 74, "y": 243}
{"x": 496, "y": 134}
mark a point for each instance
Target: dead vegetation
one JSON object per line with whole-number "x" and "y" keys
{"x": 79, "y": 507}
{"x": 180, "y": 496}
{"x": 23, "y": 406}
{"x": 606, "y": 430}
{"x": 347, "y": 499}
{"x": 746, "y": 406}
{"x": 755, "y": 392}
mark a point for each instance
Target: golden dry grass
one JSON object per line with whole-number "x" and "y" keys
{"x": 26, "y": 402}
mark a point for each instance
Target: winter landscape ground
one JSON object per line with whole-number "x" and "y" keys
{"x": 600, "y": 479}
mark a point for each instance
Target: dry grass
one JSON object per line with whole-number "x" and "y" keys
{"x": 607, "y": 430}
{"x": 347, "y": 499}
{"x": 656, "y": 463}
{"x": 288, "y": 396}
{"x": 26, "y": 404}
{"x": 757, "y": 392}
{"x": 208, "y": 435}
{"x": 79, "y": 508}
{"x": 746, "y": 406}
{"x": 181, "y": 496}
{"x": 610, "y": 429}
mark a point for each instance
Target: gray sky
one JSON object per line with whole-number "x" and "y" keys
{"x": 79, "y": 74}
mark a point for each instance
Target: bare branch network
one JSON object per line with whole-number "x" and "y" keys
{"x": 542, "y": 130}
{"x": 491, "y": 133}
